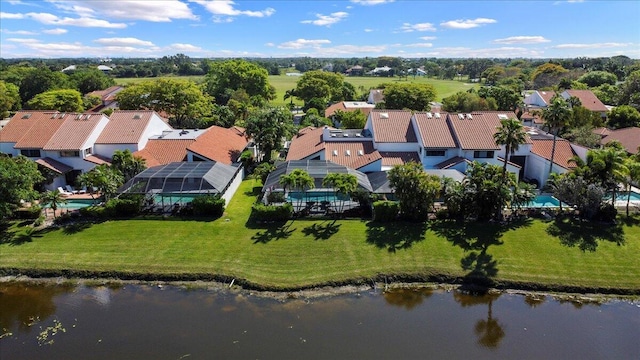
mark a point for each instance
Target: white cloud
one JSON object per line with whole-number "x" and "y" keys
{"x": 4, "y": 15}
{"x": 185, "y": 48}
{"x": 406, "y": 27}
{"x": 348, "y": 50}
{"x": 591, "y": 46}
{"x": 466, "y": 24}
{"x": 371, "y": 2}
{"x": 368, "y": 30}
{"x": 327, "y": 20}
{"x": 23, "y": 41}
{"x": 128, "y": 41}
{"x": 522, "y": 40}
{"x": 56, "y": 31}
{"x": 427, "y": 38}
{"x": 146, "y": 10}
{"x": 18, "y": 32}
{"x": 270, "y": 44}
{"x": 419, "y": 45}
{"x": 226, "y": 8}
{"x": 50, "y": 19}
{"x": 303, "y": 43}
{"x": 465, "y": 52}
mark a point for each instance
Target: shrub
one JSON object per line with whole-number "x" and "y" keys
{"x": 93, "y": 211}
{"x": 385, "y": 211}
{"x": 607, "y": 213}
{"x": 276, "y": 197}
{"x": 123, "y": 207}
{"x": 30, "y": 213}
{"x": 208, "y": 205}
{"x": 263, "y": 212}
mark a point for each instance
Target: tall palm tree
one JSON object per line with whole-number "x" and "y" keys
{"x": 290, "y": 94}
{"x": 511, "y": 134}
{"x": 298, "y": 179}
{"x": 556, "y": 116}
{"x": 633, "y": 167}
{"x": 53, "y": 199}
{"x": 344, "y": 184}
{"x": 609, "y": 165}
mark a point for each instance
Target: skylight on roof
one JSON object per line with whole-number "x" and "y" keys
{"x": 384, "y": 115}
{"x": 502, "y": 116}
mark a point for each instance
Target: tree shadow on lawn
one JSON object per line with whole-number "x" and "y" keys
{"x": 18, "y": 237}
{"x": 271, "y": 231}
{"x": 475, "y": 238}
{"x": 322, "y": 231}
{"x": 585, "y": 234}
{"x": 396, "y": 235}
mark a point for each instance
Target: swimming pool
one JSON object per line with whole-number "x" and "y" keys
{"x": 622, "y": 196}
{"x": 172, "y": 199}
{"x": 75, "y": 204}
{"x": 316, "y": 196}
{"x": 544, "y": 201}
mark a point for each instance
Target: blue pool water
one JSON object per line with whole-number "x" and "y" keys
{"x": 75, "y": 204}
{"x": 316, "y": 196}
{"x": 544, "y": 201}
{"x": 622, "y": 196}
{"x": 180, "y": 199}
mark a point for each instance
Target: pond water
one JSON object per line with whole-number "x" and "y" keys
{"x": 148, "y": 322}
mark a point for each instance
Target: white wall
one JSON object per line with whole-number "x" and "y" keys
{"x": 538, "y": 168}
{"x": 155, "y": 127}
{"x": 233, "y": 187}
{"x": 413, "y": 147}
{"x": 429, "y": 162}
{"x": 108, "y": 149}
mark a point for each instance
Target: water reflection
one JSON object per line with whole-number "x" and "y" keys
{"x": 490, "y": 331}
{"x": 407, "y": 298}
{"x": 22, "y": 305}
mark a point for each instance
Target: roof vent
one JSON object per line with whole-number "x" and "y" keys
{"x": 26, "y": 116}
{"x": 347, "y": 152}
{"x": 437, "y": 115}
{"x": 137, "y": 116}
{"x": 469, "y": 117}
{"x": 429, "y": 115}
{"x": 333, "y": 135}
{"x": 502, "y": 116}
{"x": 360, "y": 152}
{"x": 358, "y": 135}
{"x": 52, "y": 116}
{"x": 345, "y": 135}
{"x": 460, "y": 116}
{"x": 335, "y": 152}
{"x": 384, "y": 115}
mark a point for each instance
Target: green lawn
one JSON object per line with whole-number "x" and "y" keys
{"x": 306, "y": 252}
{"x": 282, "y": 83}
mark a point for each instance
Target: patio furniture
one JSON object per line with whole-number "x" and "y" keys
{"x": 64, "y": 192}
{"x": 70, "y": 189}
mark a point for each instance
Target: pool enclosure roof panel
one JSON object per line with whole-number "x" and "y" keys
{"x": 317, "y": 169}
{"x": 182, "y": 177}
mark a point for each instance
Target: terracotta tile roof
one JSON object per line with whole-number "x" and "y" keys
{"x": 547, "y": 95}
{"x": 20, "y": 124}
{"x": 98, "y": 159}
{"x": 564, "y": 152}
{"x": 108, "y": 94}
{"x": 164, "y": 151}
{"x": 451, "y": 162}
{"x": 360, "y": 153}
{"x": 74, "y": 132}
{"x": 535, "y": 118}
{"x": 54, "y": 165}
{"x": 602, "y": 131}
{"x": 476, "y": 133}
{"x": 125, "y": 127}
{"x": 435, "y": 132}
{"x": 392, "y": 126}
{"x": 220, "y": 144}
{"x": 43, "y": 127}
{"x": 351, "y": 106}
{"x": 392, "y": 158}
{"x": 307, "y": 142}
{"x": 588, "y": 99}
{"x": 628, "y": 137}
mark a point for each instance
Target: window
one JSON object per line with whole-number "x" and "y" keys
{"x": 30, "y": 152}
{"x": 483, "y": 154}
{"x": 435, "y": 153}
{"x": 69, "y": 153}
{"x": 88, "y": 151}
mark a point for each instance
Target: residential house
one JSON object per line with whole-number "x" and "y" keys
{"x": 355, "y": 70}
{"x": 129, "y": 129}
{"x": 107, "y": 98}
{"x": 588, "y": 99}
{"x": 539, "y": 98}
{"x": 61, "y": 142}
{"x": 348, "y": 106}
{"x": 375, "y": 96}
{"x": 628, "y": 137}
{"x": 539, "y": 162}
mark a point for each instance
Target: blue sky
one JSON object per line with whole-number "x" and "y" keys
{"x": 355, "y": 28}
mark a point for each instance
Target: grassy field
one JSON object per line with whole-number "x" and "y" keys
{"x": 303, "y": 253}
{"x": 282, "y": 83}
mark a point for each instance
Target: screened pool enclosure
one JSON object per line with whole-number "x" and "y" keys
{"x": 179, "y": 182}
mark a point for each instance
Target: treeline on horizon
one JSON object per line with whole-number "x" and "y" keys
{"x": 442, "y": 68}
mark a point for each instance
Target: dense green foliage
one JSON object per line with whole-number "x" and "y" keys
{"x": 208, "y": 205}
{"x": 623, "y": 116}
{"x": 350, "y": 119}
{"x": 18, "y": 176}
{"x": 385, "y": 211}
{"x": 9, "y": 98}
{"x": 282, "y": 212}
{"x": 64, "y": 100}
{"x": 408, "y": 96}
{"x": 226, "y": 77}
{"x": 268, "y": 128}
{"x": 415, "y": 190}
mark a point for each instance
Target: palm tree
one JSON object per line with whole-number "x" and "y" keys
{"x": 556, "y": 116}
{"x": 510, "y": 134}
{"x": 53, "y": 199}
{"x": 290, "y": 94}
{"x": 298, "y": 179}
{"x": 633, "y": 166}
{"x": 343, "y": 184}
